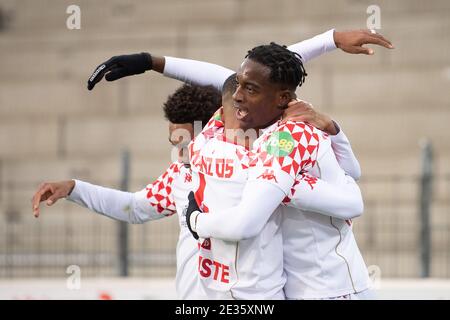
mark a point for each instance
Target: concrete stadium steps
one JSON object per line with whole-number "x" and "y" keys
{"x": 50, "y": 100}
{"x": 392, "y": 134}
{"x": 65, "y": 57}
{"x": 116, "y": 14}
{"x": 65, "y": 99}
{"x": 371, "y": 90}
{"x": 26, "y": 174}
{"x": 189, "y": 38}
{"x": 380, "y": 167}
{"x": 224, "y": 45}
{"x": 90, "y": 137}
{"x": 62, "y": 87}
{"x": 374, "y": 134}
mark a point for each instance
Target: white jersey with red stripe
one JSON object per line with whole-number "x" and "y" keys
{"x": 251, "y": 268}
{"x": 219, "y": 178}
{"x": 167, "y": 195}
{"x": 321, "y": 257}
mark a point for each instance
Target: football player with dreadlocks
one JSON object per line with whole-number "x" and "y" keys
{"x": 239, "y": 221}
{"x": 282, "y": 145}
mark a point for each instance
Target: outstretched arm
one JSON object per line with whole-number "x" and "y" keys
{"x": 209, "y": 74}
{"x": 151, "y": 203}
{"x": 115, "y": 204}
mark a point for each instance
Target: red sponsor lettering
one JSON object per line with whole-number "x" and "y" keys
{"x": 219, "y": 271}
{"x": 203, "y": 267}
{"x": 222, "y": 168}
{"x": 205, "y": 165}
{"x": 229, "y": 167}
{"x": 187, "y": 178}
{"x": 225, "y": 274}
{"x": 217, "y": 268}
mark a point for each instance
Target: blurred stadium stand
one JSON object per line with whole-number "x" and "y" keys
{"x": 53, "y": 128}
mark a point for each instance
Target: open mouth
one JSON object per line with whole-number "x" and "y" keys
{"x": 241, "y": 113}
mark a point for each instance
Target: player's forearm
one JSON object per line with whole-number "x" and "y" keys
{"x": 259, "y": 201}
{"x": 345, "y": 156}
{"x": 342, "y": 201}
{"x": 115, "y": 204}
{"x": 196, "y": 72}
{"x": 314, "y": 47}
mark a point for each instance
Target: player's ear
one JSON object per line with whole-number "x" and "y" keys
{"x": 284, "y": 97}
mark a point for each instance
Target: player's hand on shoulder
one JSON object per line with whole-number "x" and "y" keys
{"x": 51, "y": 192}
{"x": 121, "y": 66}
{"x": 303, "y": 111}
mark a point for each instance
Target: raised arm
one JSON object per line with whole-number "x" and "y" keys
{"x": 209, "y": 74}
{"x": 314, "y": 47}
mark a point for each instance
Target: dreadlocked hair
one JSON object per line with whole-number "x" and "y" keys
{"x": 286, "y": 67}
{"x": 191, "y": 103}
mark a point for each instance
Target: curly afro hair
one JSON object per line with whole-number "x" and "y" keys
{"x": 191, "y": 103}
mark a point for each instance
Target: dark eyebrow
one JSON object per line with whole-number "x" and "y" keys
{"x": 255, "y": 84}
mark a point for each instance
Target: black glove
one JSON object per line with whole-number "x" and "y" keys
{"x": 192, "y": 207}
{"x": 121, "y": 66}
